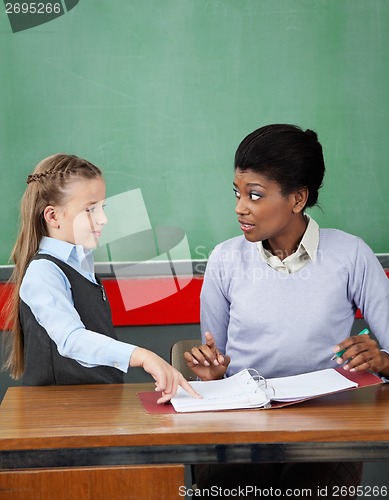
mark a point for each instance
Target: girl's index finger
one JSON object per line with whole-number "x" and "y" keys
{"x": 189, "y": 389}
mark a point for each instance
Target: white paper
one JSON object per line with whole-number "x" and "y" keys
{"x": 237, "y": 391}
{"x": 309, "y": 385}
{"x": 243, "y": 391}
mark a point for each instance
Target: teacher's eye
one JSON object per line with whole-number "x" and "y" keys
{"x": 236, "y": 193}
{"x": 255, "y": 196}
{"x": 90, "y": 210}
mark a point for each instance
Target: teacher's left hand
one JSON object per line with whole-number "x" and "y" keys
{"x": 363, "y": 353}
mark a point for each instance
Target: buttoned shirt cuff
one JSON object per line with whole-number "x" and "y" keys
{"x": 119, "y": 354}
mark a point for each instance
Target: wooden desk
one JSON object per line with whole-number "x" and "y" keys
{"x": 105, "y": 426}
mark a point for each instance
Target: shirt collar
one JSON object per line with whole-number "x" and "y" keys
{"x": 68, "y": 252}
{"x": 310, "y": 239}
{"x": 309, "y": 243}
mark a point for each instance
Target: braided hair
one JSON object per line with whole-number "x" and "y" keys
{"x": 49, "y": 184}
{"x": 60, "y": 166}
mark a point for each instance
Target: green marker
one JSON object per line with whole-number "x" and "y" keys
{"x": 340, "y": 353}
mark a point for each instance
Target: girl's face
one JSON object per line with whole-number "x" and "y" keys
{"x": 264, "y": 213}
{"x": 81, "y": 219}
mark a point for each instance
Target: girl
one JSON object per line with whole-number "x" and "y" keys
{"x": 280, "y": 297}
{"x": 60, "y": 318}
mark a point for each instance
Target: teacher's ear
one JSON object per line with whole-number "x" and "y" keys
{"x": 300, "y": 199}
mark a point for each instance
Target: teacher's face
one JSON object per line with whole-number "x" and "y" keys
{"x": 264, "y": 213}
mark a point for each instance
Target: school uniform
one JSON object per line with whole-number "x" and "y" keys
{"x": 66, "y": 321}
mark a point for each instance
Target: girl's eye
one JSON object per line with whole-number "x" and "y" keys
{"x": 237, "y": 195}
{"x": 94, "y": 208}
{"x": 255, "y": 196}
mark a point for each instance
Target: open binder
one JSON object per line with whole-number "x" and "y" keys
{"x": 247, "y": 389}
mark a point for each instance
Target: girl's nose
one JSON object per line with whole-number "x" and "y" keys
{"x": 101, "y": 218}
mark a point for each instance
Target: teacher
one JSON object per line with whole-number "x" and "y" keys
{"x": 282, "y": 298}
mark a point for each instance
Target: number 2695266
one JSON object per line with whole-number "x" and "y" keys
{"x": 33, "y": 8}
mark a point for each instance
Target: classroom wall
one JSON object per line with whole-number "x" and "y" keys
{"x": 160, "y": 94}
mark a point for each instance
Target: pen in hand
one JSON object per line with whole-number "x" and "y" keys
{"x": 340, "y": 353}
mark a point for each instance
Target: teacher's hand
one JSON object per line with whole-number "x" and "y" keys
{"x": 363, "y": 353}
{"x": 205, "y": 361}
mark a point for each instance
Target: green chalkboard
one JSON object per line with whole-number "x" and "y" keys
{"x": 159, "y": 94}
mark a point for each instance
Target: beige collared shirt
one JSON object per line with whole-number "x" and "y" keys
{"x": 306, "y": 251}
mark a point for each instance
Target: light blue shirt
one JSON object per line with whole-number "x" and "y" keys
{"x": 47, "y": 291}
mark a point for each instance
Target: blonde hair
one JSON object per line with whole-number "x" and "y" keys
{"x": 47, "y": 185}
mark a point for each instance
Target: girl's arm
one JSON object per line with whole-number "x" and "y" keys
{"x": 46, "y": 290}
